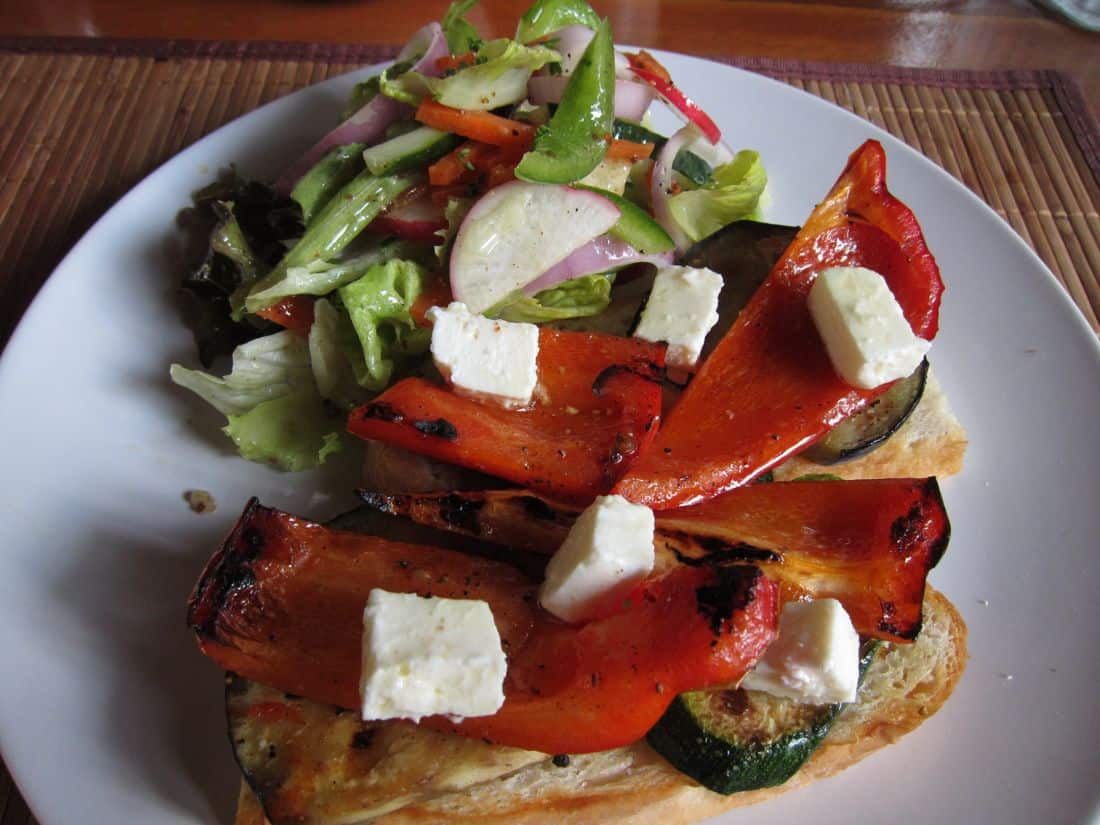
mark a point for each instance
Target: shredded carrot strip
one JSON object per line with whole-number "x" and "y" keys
{"x": 480, "y": 126}
{"x": 629, "y": 150}
{"x": 455, "y": 61}
{"x": 461, "y": 165}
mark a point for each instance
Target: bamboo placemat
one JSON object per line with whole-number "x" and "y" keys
{"x": 85, "y": 120}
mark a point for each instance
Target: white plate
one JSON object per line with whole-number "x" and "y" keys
{"x": 109, "y": 714}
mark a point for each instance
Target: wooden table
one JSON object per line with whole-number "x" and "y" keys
{"x": 1060, "y": 220}
{"x": 949, "y": 34}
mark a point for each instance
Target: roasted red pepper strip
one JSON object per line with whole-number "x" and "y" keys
{"x": 602, "y": 685}
{"x": 769, "y": 390}
{"x": 868, "y": 544}
{"x": 282, "y": 601}
{"x": 596, "y": 410}
{"x": 295, "y": 312}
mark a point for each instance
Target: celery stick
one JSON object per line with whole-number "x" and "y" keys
{"x": 346, "y": 214}
{"x": 331, "y": 173}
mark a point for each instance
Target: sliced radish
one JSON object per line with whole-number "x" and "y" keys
{"x": 632, "y": 99}
{"x": 681, "y": 103}
{"x": 416, "y": 218}
{"x": 517, "y": 232}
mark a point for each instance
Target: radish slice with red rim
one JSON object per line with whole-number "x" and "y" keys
{"x": 517, "y": 232}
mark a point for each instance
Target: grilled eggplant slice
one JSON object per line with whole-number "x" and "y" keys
{"x": 314, "y": 764}
{"x": 743, "y": 253}
{"x": 872, "y": 425}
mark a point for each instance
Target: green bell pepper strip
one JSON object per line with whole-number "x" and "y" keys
{"x": 548, "y": 16}
{"x": 575, "y": 140}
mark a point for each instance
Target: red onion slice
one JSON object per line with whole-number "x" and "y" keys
{"x": 663, "y": 181}
{"x": 598, "y": 255}
{"x": 571, "y": 43}
{"x": 632, "y": 99}
{"x": 369, "y": 124}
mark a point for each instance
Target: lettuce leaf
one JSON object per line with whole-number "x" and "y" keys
{"x": 245, "y": 226}
{"x": 461, "y": 35}
{"x": 379, "y": 305}
{"x": 275, "y": 414}
{"x": 291, "y": 432}
{"x": 454, "y": 213}
{"x": 733, "y": 194}
{"x": 333, "y": 355}
{"x": 498, "y": 78}
{"x": 399, "y": 83}
{"x": 322, "y": 277}
{"x": 575, "y": 298}
{"x": 263, "y": 369}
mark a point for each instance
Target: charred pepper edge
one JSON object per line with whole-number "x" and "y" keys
{"x": 228, "y": 569}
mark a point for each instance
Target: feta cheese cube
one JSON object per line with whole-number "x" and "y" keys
{"x": 426, "y": 656}
{"x": 865, "y": 332}
{"x": 681, "y": 310}
{"x": 814, "y": 659}
{"x": 609, "y": 548}
{"x": 483, "y": 357}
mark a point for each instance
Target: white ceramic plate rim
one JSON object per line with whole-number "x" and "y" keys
{"x": 106, "y": 711}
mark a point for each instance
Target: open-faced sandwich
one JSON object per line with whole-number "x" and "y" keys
{"x": 650, "y": 494}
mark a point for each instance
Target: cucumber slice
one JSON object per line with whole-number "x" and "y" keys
{"x": 693, "y": 167}
{"x": 411, "y": 150}
{"x": 741, "y": 740}
{"x": 636, "y": 133}
{"x": 634, "y": 226}
{"x": 867, "y": 429}
{"x": 687, "y": 163}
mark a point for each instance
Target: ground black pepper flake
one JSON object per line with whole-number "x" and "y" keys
{"x": 439, "y": 428}
{"x": 361, "y": 739}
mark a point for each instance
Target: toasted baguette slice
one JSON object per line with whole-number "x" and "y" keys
{"x": 931, "y": 442}
{"x": 904, "y": 686}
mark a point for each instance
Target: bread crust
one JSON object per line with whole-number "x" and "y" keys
{"x": 904, "y": 686}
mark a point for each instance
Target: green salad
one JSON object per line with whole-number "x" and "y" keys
{"x": 520, "y": 176}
